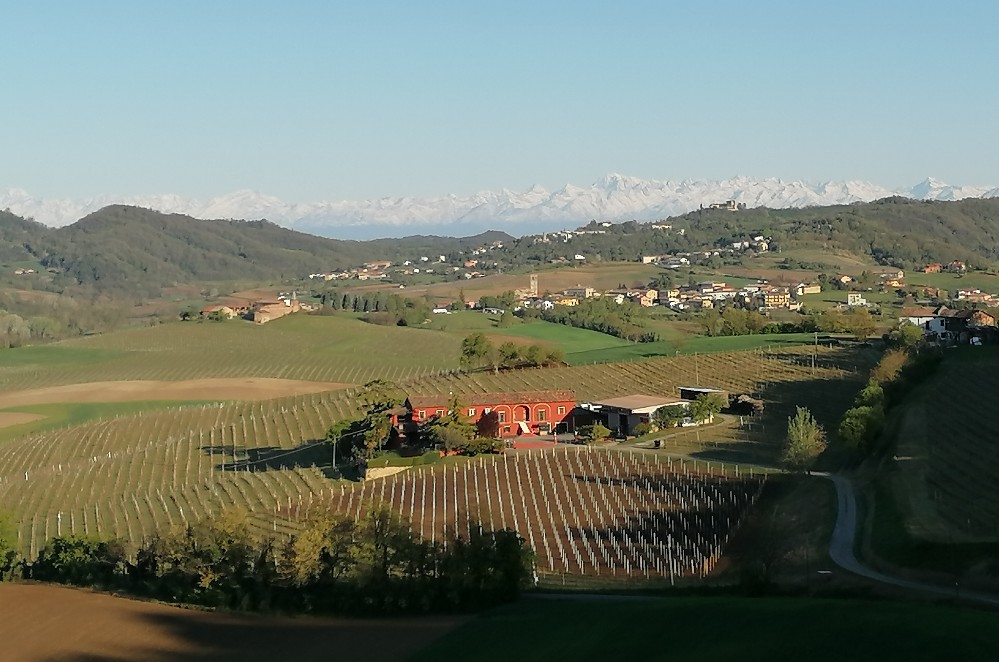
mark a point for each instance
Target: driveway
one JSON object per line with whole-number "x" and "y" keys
{"x": 844, "y": 539}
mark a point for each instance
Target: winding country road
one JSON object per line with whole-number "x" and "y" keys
{"x": 843, "y": 542}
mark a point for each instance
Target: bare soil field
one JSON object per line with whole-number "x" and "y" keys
{"x": 241, "y": 388}
{"x": 43, "y": 622}
{"x": 16, "y": 418}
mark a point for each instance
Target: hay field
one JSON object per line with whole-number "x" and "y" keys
{"x": 44, "y": 623}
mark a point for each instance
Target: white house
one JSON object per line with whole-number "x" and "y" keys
{"x": 925, "y": 318}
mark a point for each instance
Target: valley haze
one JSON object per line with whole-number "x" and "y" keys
{"x": 613, "y": 198}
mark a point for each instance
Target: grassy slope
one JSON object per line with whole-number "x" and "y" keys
{"x": 935, "y": 501}
{"x": 953, "y": 282}
{"x": 721, "y": 629}
{"x": 337, "y": 349}
{"x": 693, "y": 345}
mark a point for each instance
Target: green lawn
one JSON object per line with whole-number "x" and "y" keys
{"x": 570, "y": 339}
{"x": 690, "y": 345}
{"x": 466, "y": 320}
{"x": 55, "y": 355}
{"x": 706, "y": 629}
{"x": 953, "y": 282}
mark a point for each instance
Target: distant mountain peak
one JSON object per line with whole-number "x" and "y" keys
{"x": 613, "y": 197}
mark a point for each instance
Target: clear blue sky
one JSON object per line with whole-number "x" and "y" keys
{"x": 331, "y": 100}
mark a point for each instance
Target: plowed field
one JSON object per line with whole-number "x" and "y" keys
{"x": 49, "y": 623}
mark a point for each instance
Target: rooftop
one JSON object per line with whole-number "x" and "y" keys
{"x": 635, "y": 402}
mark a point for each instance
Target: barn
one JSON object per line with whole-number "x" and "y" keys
{"x": 519, "y": 413}
{"x": 623, "y": 414}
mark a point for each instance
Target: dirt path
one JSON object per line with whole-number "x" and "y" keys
{"x": 43, "y": 622}
{"x": 249, "y": 388}
{"x": 844, "y": 540}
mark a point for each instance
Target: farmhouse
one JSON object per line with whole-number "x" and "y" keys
{"x": 623, "y": 414}
{"x": 976, "y": 318}
{"x": 928, "y": 319}
{"x": 265, "y": 311}
{"x": 518, "y": 413}
{"x": 801, "y": 289}
{"x": 219, "y": 311}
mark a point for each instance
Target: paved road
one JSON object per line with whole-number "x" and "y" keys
{"x": 843, "y": 542}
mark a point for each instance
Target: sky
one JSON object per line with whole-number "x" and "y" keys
{"x": 331, "y": 100}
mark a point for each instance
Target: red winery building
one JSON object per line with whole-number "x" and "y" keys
{"x": 519, "y": 413}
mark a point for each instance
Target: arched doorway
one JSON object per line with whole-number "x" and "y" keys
{"x": 521, "y": 413}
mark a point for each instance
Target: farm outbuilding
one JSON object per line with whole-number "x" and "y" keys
{"x": 623, "y": 414}
{"x": 519, "y": 413}
{"x": 693, "y": 392}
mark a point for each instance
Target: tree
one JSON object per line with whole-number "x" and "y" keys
{"x": 907, "y": 336}
{"x": 346, "y": 429}
{"x": 669, "y": 416}
{"x": 889, "y": 367}
{"x": 475, "y": 351}
{"x": 804, "y": 442}
{"x": 594, "y": 433}
{"x": 453, "y": 429}
{"x": 860, "y": 323}
{"x": 380, "y": 395}
{"x": 861, "y": 426}
{"x": 323, "y": 551}
{"x": 705, "y": 406}
{"x": 506, "y": 319}
{"x": 554, "y": 357}
{"x": 8, "y": 547}
{"x": 488, "y": 425}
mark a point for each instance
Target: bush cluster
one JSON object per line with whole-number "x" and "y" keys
{"x": 334, "y": 564}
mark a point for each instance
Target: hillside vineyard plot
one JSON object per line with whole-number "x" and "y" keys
{"x": 312, "y": 348}
{"x": 586, "y": 512}
{"x": 953, "y": 460}
{"x": 134, "y": 475}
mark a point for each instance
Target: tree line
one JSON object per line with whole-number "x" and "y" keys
{"x": 333, "y": 564}
{"x": 478, "y": 352}
{"x": 381, "y": 307}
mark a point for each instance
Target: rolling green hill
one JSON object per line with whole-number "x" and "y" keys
{"x": 121, "y": 248}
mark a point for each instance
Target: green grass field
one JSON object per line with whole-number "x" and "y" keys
{"x": 724, "y": 628}
{"x": 690, "y": 345}
{"x": 953, "y": 282}
{"x": 571, "y": 340}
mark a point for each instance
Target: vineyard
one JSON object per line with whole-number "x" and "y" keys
{"x": 948, "y": 463}
{"x": 132, "y": 475}
{"x": 584, "y": 512}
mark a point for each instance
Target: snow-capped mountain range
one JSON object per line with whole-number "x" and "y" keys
{"x": 612, "y": 198}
